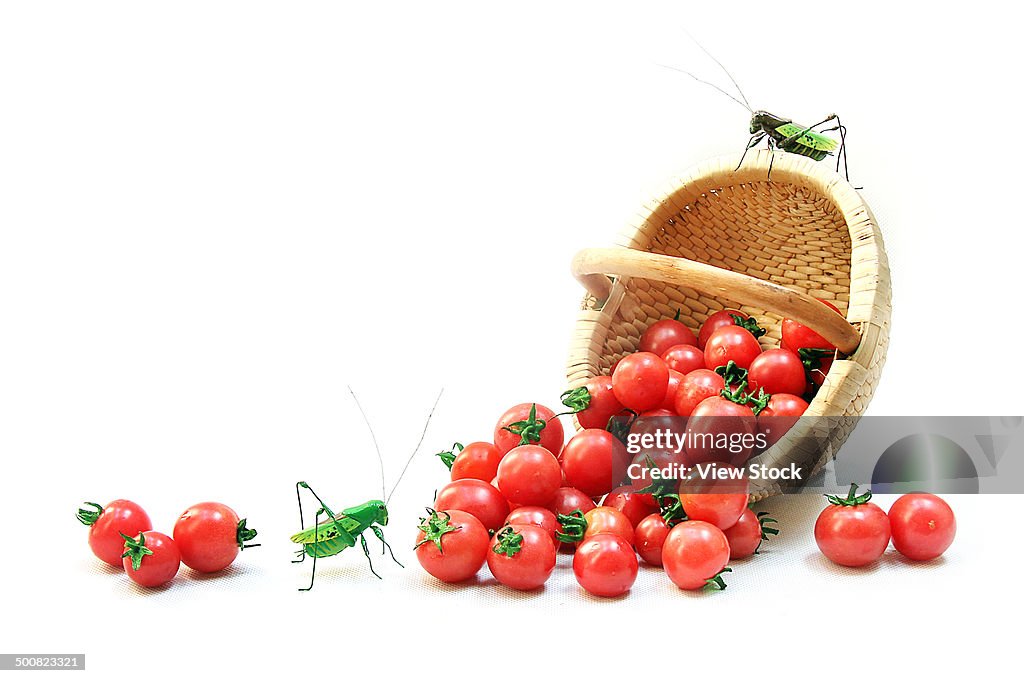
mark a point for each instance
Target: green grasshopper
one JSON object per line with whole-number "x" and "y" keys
{"x": 780, "y": 132}
{"x": 338, "y": 532}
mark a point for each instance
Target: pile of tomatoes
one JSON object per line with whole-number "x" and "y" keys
{"x": 207, "y": 537}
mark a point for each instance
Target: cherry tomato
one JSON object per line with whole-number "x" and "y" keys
{"x": 923, "y": 526}
{"x": 746, "y": 535}
{"x": 694, "y": 553}
{"x": 668, "y": 404}
{"x": 605, "y": 565}
{"x": 634, "y": 505}
{"x": 777, "y": 371}
{"x": 537, "y": 516}
{"x": 731, "y": 343}
{"x": 529, "y": 475}
{"x": 663, "y": 335}
{"x": 608, "y": 520}
{"x": 781, "y": 413}
{"x": 697, "y": 386}
{"x": 684, "y": 358}
{"x": 720, "y": 430}
{"x": 476, "y": 497}
{"x": 544, "y": 424}
{"x": 640, "y": 381}
{"x": 715, "y": 493}
{"x": 603, "y": 404}
{"x": 797, "y": 336}
{"x": 714, "y": 321}
{"x": 851, "y": 531}
{"x": 451, "y": 545}
{"x": 594, "y": 461}
{"x": 151, "y": 559}
{"x": 106, "y": 524}
{"x": 521, "y": 556}
{"x": 649, "y": 537}
{"x": 478, "y": 460}
{"x": 209, "y": 536}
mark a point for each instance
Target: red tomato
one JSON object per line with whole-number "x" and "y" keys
{"x": 608, "y": 520}
{"x": 731, "y": 343}
{"x": 668, "y": 404}
{"x": 476, "y": 497}
{"x": 634, "y": 505}
{"x": 529, "y": 475}
{"x": 777, "y": 371}
{"x": 714, "y": 321}
{"x": 537, "y": 516}
{"x": 697, "y": 386}
{"x": 694, "y": 553}
{"x": 781, "y": 413}
{"x": 923, "y": 526}
{"x": 684, "y": 358}
{"x": 796, "y": 336}
{"x": 151, "y": 559}
{"x": 544, "y": 429}
{"x": 603, "y": 404}
{"x": 720, "y": 431}
{"x": 746, "y": 535}
{"x": 522, "y": 556}
{"x": 594, "y": 461}
{"x": 605, "y": 565}
{"x": 478, "y": 460}
{"x": 663, "y": 335}
{"x": 715, "y": 493}
{"x": 640, "y": 381}
{"x": 851, "y": 531}
{"x": 451, "y": 545}
{"x": 209, "y": 536}
{"x": 106, "y": 524}
{"x": 649, "y": 537}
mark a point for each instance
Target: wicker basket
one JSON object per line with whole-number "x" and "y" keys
{"x": 721, "y": 237}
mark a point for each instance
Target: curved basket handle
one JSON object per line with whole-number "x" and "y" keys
{"x": 591, "y": 265}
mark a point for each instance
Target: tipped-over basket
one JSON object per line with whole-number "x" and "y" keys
{"x": 773, "y": 245}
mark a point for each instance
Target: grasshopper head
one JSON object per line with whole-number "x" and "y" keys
{"x": 759, "y": 121}
{"x": 381, "y": 512}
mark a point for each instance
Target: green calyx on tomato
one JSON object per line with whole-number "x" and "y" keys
{"x": 434, "y": 527}
{"x": 852, "y": 499}
{"x": 749, "y": 324}
{"x": 574, "y": 526}
{"x": 89, "y": 517}
{"x": 243, "y": 535}
{"x": 448, "y": 457}
{"x": 575, "y": 400}
{"x": 136, "y": 550}
{"x": 732, "y": 373}
{"x": 759, "y": 402}
{"x": 812, "y": 358}
{"x": 741, "y": 397}
{"x": 619, "y": 427}
{"x": 717, "y": 582}
{"x": 764, "y": 520}
{"x": 529, "y": 429}
{"x": 659, "y": 488}
{"x": 509, "y": 542}
{"x": 671, "y": 509}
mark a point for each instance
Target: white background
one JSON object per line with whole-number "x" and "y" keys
{"x": 215, "y": 216}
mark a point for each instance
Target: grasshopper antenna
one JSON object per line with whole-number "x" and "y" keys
{"x": 701, "y": 80}
{"x": 418, "y": 444}
{"x": 721, "y": 66}
{"x": 372, "y": 436}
